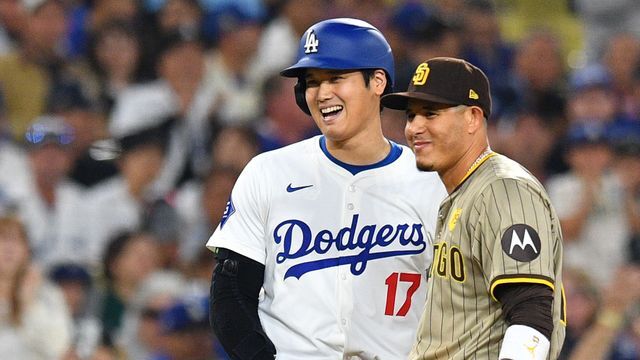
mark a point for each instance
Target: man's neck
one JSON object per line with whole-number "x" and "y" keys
{"x": 361, "y": 150}
{"x": 454, "y": 176}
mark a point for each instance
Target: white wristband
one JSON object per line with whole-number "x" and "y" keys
{"x": 524, "y": 342}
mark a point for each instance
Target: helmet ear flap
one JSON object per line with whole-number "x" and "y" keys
{"x": 300, "y": 88}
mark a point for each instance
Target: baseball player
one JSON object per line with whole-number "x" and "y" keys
{"x": 334, "y": 229}
{"x": 495, "y": 290}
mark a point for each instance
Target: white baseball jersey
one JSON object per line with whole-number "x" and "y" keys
{"x": 346, "y": 249}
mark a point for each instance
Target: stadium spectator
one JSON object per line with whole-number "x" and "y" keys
{"x": 234, "y": 146}
{"x": 180, "y": 94}
{"x": 128, "y": 260}
{"x": 484, "y": 46}
{"x": 31, "y": 308}
{"x": 592, "y": 98}
{"x": 120, "y": 203}
{"x": 12, "y": 20}
{"x": 622, "y": 60}
{"x": 140, "y": 337}
{"x": 584, "y": 298}
{"x": 423, "y": 34}
{"x": 82, "y": 114}
{"x": 186, "y": 333}
{"x": 601, "y": 20}
{"x": 77, "y": 287}
{"x": 590, "y": 204}
{"x": 14, "y": 172}
{"x": 201, "y": 205}
{"x": 626, "y": 165}
{"x": 530, "y": 142}
{"x": 37, "y": 66}
{"x": 282, "y": 32}
{"x": 373, "y": 11}
{"x": 52, "y": 207}
{"x": 538, "y": 76}
{"x": 235, "y": 90}
{"x": 180, "y": 15}
{"x": 115, "y": 61}
{"x": 597, "y": 342}
{"x": 283, "y": 122}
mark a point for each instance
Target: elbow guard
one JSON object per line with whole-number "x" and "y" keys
{"x": 235, "y": 286}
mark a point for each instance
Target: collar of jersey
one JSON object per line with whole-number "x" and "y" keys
{"x": 474, "y": 167}
{"x": 393, "y": 155}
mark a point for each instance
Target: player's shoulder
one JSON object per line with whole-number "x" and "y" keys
{"x": 405, "y": 178}
{"x": 406, "y": 166}
{"x": 298, "y": 151}
{"x": 500, "y": 169}
{"x": 293, "y": 156}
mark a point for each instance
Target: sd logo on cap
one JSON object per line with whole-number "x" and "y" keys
{"x": 445, "y": 80}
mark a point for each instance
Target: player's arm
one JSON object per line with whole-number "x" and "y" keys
{"x": 527, "y": 308}
{"x": 235, "y": 286}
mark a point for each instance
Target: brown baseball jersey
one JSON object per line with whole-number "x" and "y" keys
{"x": 497, "y": 227}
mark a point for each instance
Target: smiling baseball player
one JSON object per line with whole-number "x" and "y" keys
{"x": 496, "y": 286}
{"x": 336, "y": 229}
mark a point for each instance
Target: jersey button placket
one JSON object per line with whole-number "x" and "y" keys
{"x": 344, "y": 272}
{"x": 351, "y": 195}
{"x": 345, "y": 296}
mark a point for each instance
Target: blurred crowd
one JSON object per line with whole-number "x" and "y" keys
{"x": 125, "y": 123}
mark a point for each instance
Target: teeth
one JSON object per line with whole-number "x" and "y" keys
{"x": 331, "y": 109}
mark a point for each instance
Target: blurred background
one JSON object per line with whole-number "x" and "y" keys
{"x": 125, "y": 123}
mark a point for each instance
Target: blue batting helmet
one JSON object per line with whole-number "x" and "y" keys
{"x": 340, "y": 44}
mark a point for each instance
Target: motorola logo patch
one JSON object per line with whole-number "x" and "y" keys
{"x": 521, "y": 242}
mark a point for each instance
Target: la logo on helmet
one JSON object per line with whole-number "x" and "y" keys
{"x": 311, "y": 43}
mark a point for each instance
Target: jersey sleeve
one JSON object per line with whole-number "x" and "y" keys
{"x": 517, "y": 237}
{"x": 242, "y": 226}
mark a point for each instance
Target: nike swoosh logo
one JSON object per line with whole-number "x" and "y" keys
{"x": 296, "y": 188}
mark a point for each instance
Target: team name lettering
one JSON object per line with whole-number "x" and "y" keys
{"x": 298, "y": 240}
{"x": 448, "y": 261}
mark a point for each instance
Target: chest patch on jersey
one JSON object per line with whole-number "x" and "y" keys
{"x": 454, "y": 218}
{"x": 228, "y": 211}
{"x": 521, "y": 242}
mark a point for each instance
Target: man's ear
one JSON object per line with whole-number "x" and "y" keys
{"x": 474, "y": 119}
{"x": 379, "y": 81}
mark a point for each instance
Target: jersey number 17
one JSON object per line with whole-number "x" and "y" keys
{"x": 392, "y": 289}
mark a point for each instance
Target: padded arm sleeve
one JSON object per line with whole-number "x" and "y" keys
{"x": 235, "y": 286}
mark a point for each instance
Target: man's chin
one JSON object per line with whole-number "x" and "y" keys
{"x": 424, "y": 167}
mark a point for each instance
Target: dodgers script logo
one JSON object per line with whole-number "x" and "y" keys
{"x": 298, "y": 240}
